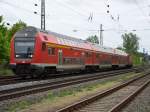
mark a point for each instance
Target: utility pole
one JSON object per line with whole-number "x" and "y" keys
{"x": 43, "y": 14}
{"x": 101, "y": 35}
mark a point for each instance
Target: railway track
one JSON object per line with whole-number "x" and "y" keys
{"x": 6, "y": 77}
{"x": 111, "y": 100}
{"x": 9, "y": 80}
{"x": 5, "y": 80}
{"x": 26, "y": 90}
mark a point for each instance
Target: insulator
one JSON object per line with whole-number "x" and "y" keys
{"x": 35, "y": 12}
{"x": 8, "y": 24}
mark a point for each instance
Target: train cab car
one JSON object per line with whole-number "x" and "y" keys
{"x": 24, "y": 51}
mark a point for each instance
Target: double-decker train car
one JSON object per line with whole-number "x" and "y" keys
{"x": 35, "y": 53}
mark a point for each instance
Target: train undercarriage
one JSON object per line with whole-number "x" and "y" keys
{"x": 34, "y": 71}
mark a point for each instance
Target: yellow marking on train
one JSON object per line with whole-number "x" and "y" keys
{"x": 57, "y": 45}
{"x": 65, "y": 46}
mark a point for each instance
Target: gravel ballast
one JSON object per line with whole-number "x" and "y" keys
{"x": 141, "y": 103}
{"x": 35, "y": 98}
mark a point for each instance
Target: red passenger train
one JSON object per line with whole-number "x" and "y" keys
{"x": 36, "y": 52}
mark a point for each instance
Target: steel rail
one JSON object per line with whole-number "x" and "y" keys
{"x": 13, "y": 93}
{"x": 100, "y": 95}
{"x": 6, "y": 77}
{"x": 97, "y": 75}
{"x": 5, "y": 80}
{"x": 127, "y": 100}
{"x": 9, "y": 80}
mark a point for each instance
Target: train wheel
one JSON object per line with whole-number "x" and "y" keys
{"x": 23, "y": 77}
{"x": 34, "y": 76}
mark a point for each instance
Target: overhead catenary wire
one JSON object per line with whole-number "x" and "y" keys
{"x": 141, "y": 10}
{"x": 29, "y": 11}
{"x": 75, "y": 11}
{"x": 72, "y": 9}
{"x": 114, "y": 20}
{"x": 16, "y": 6}
{"x": 21, "y": 8}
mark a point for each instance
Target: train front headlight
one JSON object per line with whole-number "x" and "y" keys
{"x": 31, "y": 56}
{"x": 17, "y": 56}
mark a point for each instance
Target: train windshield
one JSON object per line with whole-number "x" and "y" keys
{"x": 24, "y": 47}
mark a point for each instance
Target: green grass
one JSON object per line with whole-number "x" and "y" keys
{"x": 138, "y": 60}
{"x": 5, "y": 71}
{"x": 17, "y": 106}
{"x": 55, "y": 96}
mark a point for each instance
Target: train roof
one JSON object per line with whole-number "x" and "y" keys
{"x": 109, "y": 50}
{"x": 75, "y": 42}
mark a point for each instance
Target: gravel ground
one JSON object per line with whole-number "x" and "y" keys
{"x": 141, "y": 103}
{"x": 106, "y": 103}
{"x": 30, "y": 83}
{"x": 37, "y": 97}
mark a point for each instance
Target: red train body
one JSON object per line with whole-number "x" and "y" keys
{"x": 35, "y": 52}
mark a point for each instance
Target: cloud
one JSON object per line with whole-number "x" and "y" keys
{"x": 64, "y": 16}
{"x": 130, "y": 1}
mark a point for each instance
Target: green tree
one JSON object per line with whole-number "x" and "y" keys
{"x": 130, "y": 43}
{"x": 93, "y": 39}
{"x": 120, "y": 48}
{"x": 131, "y": 46}
{"x": 5, "y": 37}
{"x": 17, "y": 26}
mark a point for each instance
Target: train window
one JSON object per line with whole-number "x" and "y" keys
{"x": 90, "y": 54}
{"x": 51, "y": 51}
{"x": 45, "y": 37}
{"x": 87, "y": 54}
{"x": 72, "y": 60}
{"x": 97, "y": 55}
{"x": 43, "y": 46}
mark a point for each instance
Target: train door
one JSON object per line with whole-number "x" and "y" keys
{"x": 60, "y": 57}
{"x": 83, "y": 58}
{"x": 97, "y": 58}
{"x": 88, "y": 58}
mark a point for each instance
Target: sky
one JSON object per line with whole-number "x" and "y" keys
{"x": 70, "y": 17}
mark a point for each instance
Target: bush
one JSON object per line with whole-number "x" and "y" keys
{"x": 4, "y": 63}
{"x": 137, "y": 59}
